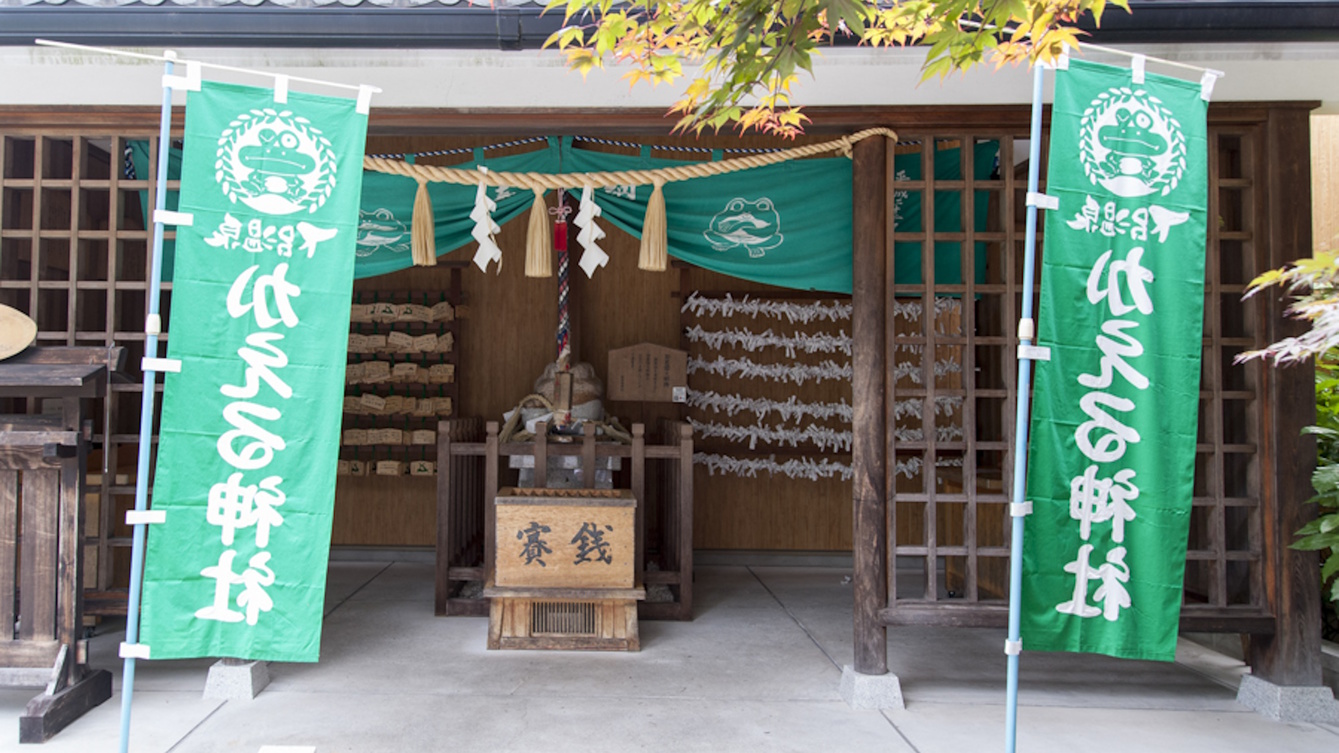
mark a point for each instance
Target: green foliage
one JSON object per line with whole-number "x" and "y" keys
{"x": 1314, "y": 284}
{"x": 1322, "y": 534}
{"x": 750, "y": 52}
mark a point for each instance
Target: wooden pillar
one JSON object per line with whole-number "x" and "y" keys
{"x": 1291, "y": 656}
{"x": 445, "y": 519}
{"x": 868, "y": 456}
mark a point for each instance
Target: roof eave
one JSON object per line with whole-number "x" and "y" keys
{"x": 515, "y": 28}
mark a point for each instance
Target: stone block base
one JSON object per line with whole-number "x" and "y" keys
{"x": 1288, "y": 703}
{"x": 871, "y": 691}
{"x": 231, "y": 680}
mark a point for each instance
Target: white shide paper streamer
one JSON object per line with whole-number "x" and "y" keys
{"x": 806, "y": 468}
{"x": 794, "y": 313}
{"x": 942, "y": 367}
{"x": 804, "y": 313}
{"x": 912, "y": 310}
{"x": 945, "y": 405}
{"x": 802, "y": 467}
{"x": 485, "y": 228}
{"x": 592, "y": 256}
{"x": 791, "y": 409}
{"x": 776, "y": 372}
{"x": 821, "y": 436}
{"x": 751, "y": 341}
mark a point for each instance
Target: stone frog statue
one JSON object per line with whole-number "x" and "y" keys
{"x": 277, "y": 165}
{"x": 755, "y": 225}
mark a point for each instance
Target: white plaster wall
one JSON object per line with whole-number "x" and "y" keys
{"x": 482, "y": 79}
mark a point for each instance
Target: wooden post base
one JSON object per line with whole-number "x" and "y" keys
{"x": 46, "y": 714}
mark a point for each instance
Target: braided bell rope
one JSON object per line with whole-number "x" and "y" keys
{"x": 607, "y": 179}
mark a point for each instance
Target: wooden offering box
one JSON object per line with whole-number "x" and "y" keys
{"x": 565, "y": 538}
{"x": 564, "y": 572}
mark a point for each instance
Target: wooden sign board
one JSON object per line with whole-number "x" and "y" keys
{"x": 565, "y": 538}
{"x": 646, "y": 372}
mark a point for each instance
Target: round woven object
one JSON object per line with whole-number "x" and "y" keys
{"x": 585, "y": 385}
{"x": 17, "y": 331}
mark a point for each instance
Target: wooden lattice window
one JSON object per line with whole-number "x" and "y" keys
{"x": 950, "y": 384}
{"x": 950, "y": 475}
{"x": 74, "y": 255}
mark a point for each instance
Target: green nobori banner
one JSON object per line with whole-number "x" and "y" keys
{"x": 1115, "y": 414}
{"x": 250, "y": 426}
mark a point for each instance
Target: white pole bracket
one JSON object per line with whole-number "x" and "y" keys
{"x": 1207, "y": 81}
{"x": 1020, "y": 509}
{"x": 153, "y": 325}
{"x": 1013, "y": 648}
{"x": 145, "y": 517}
{"x": 190, "y": 82}
{"x": 1042, "y": 201}
{"x": 365, "y": 92}
{"x": 133, "y": 650}
{"x": 1034, "y": 353}
{"x": 169, "y": 217}
{"x": 161, "y": 365}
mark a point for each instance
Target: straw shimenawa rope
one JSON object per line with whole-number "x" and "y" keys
{"x": 653, "y": 249}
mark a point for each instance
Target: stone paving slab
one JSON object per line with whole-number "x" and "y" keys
{"x": 757, "y": 670}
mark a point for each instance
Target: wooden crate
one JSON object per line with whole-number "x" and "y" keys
{"x": 565, "y": 538}
{"x": 564, "y": 619}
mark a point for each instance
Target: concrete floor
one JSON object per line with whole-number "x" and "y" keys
{"x": 757, "y": 670}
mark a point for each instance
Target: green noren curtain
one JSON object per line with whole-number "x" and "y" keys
{"x": 787, "y": 224}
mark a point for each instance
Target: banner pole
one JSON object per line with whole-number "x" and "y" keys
{"x": 1025, "y": 336}
{"x": 152, "y": 328}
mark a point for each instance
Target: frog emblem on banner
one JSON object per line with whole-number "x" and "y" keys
{"x": 275, "y": 162}
{"x": 380, "y": 230}
{"x": 753, "y": 225}
{"x": 1130, "y": 144}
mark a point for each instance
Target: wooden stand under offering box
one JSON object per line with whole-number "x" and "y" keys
{"x": 564, "y": 572}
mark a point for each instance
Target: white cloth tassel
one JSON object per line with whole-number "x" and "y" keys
{"x": 485, "y": 228}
